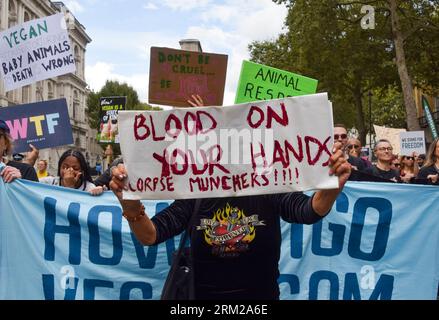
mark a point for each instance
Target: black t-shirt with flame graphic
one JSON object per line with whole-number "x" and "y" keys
{"x": 236, "y": 241}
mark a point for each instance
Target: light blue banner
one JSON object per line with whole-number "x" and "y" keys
{"x": 380, "y": 242}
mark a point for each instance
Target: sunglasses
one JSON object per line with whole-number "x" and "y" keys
{"x": 340, "y": 136}
{"x": 351, "y": 146}
{"x": 397, "y": 164}
{"x": 385, "y": 149}
{"x": 410, "y": 158}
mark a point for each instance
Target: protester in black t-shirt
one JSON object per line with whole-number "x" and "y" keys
{"x": 384, "y": 152}
{"x": 13, "y": 169}
{"x": 235, "y": 241}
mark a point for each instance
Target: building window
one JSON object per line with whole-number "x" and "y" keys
{"x": 12, "y": 14}
{"x": 10, "y": 95}
{"x": 75, "y": 105}
{"x": 25, "y": 92}
{"x": 77, "y": 60}
{"x": 26, "y": 17}
{"x": 50, "y": 94}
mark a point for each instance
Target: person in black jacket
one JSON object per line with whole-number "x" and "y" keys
{"x": 341, "y": 135}
{"x": 235, "y": 241}
{"x": 14, "y": 169}
{"x": 104, "y": 179}
{"x": 430, "y": 171}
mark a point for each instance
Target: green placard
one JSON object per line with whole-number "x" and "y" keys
{"x": 259, "y": 82}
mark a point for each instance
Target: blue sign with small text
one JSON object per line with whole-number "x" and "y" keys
{"x": 43, "y": 124}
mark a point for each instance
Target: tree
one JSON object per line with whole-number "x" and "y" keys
{"x": 387, "y": 107}
{"x": 114, "y": 88}
{"x": 325, "y": 41}
{"x": 412, "y": 30}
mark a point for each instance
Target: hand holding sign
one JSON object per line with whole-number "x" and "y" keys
{"x": 339, "y": 166}
{"x": 324, "y": 199}
{"x": 32, "y": 155}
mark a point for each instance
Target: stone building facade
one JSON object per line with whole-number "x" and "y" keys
{"x": 71, "y": 86}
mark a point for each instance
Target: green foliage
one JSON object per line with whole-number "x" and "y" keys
{"x": 324, "y": 40}
{"x": 145, "y": 106}
{"x": 114, "y": 88}
{"x": 387, "y": 108}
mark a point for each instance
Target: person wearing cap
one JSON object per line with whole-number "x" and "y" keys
{"x": 13, "y": 169}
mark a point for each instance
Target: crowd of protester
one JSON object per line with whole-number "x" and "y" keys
{"x": 388, "y": 166}
{"x": 74, "y": 172}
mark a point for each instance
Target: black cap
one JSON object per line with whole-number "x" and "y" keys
{"x": 4, "y": 126}
{"x": 18, "y": 156}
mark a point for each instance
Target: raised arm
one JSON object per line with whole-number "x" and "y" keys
{"x": 133, "y": 210}
{"x": 163, "y": 226}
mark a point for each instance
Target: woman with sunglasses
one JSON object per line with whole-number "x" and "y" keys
{"x": 354, "y": 149}
{"x": 408, "y": 168}
{"x": 430, "y": 170}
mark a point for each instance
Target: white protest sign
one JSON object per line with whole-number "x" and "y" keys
{"x": 391, "y": 134}
{"x": 253, "y": 148}
{"x": 35, "y": 50}
{"x": 412, "y": 141}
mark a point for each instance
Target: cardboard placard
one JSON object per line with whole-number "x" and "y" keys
{"x": 391, "y": 134}
{"x": 177, "y": 74}
{"x": 109, "y": 109}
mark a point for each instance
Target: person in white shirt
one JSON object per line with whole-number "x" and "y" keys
{"x": 73, "y": 172}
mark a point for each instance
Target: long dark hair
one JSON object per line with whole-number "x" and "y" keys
{"x": 431, "y": 156}
{"x": 85, "y": 176}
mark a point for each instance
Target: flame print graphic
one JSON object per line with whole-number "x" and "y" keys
{"x": 229, "y": 231}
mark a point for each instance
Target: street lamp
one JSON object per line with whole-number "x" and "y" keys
{"x": 370, "y": 121}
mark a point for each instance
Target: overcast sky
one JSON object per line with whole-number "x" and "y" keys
{"x": 123, "y": 31}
